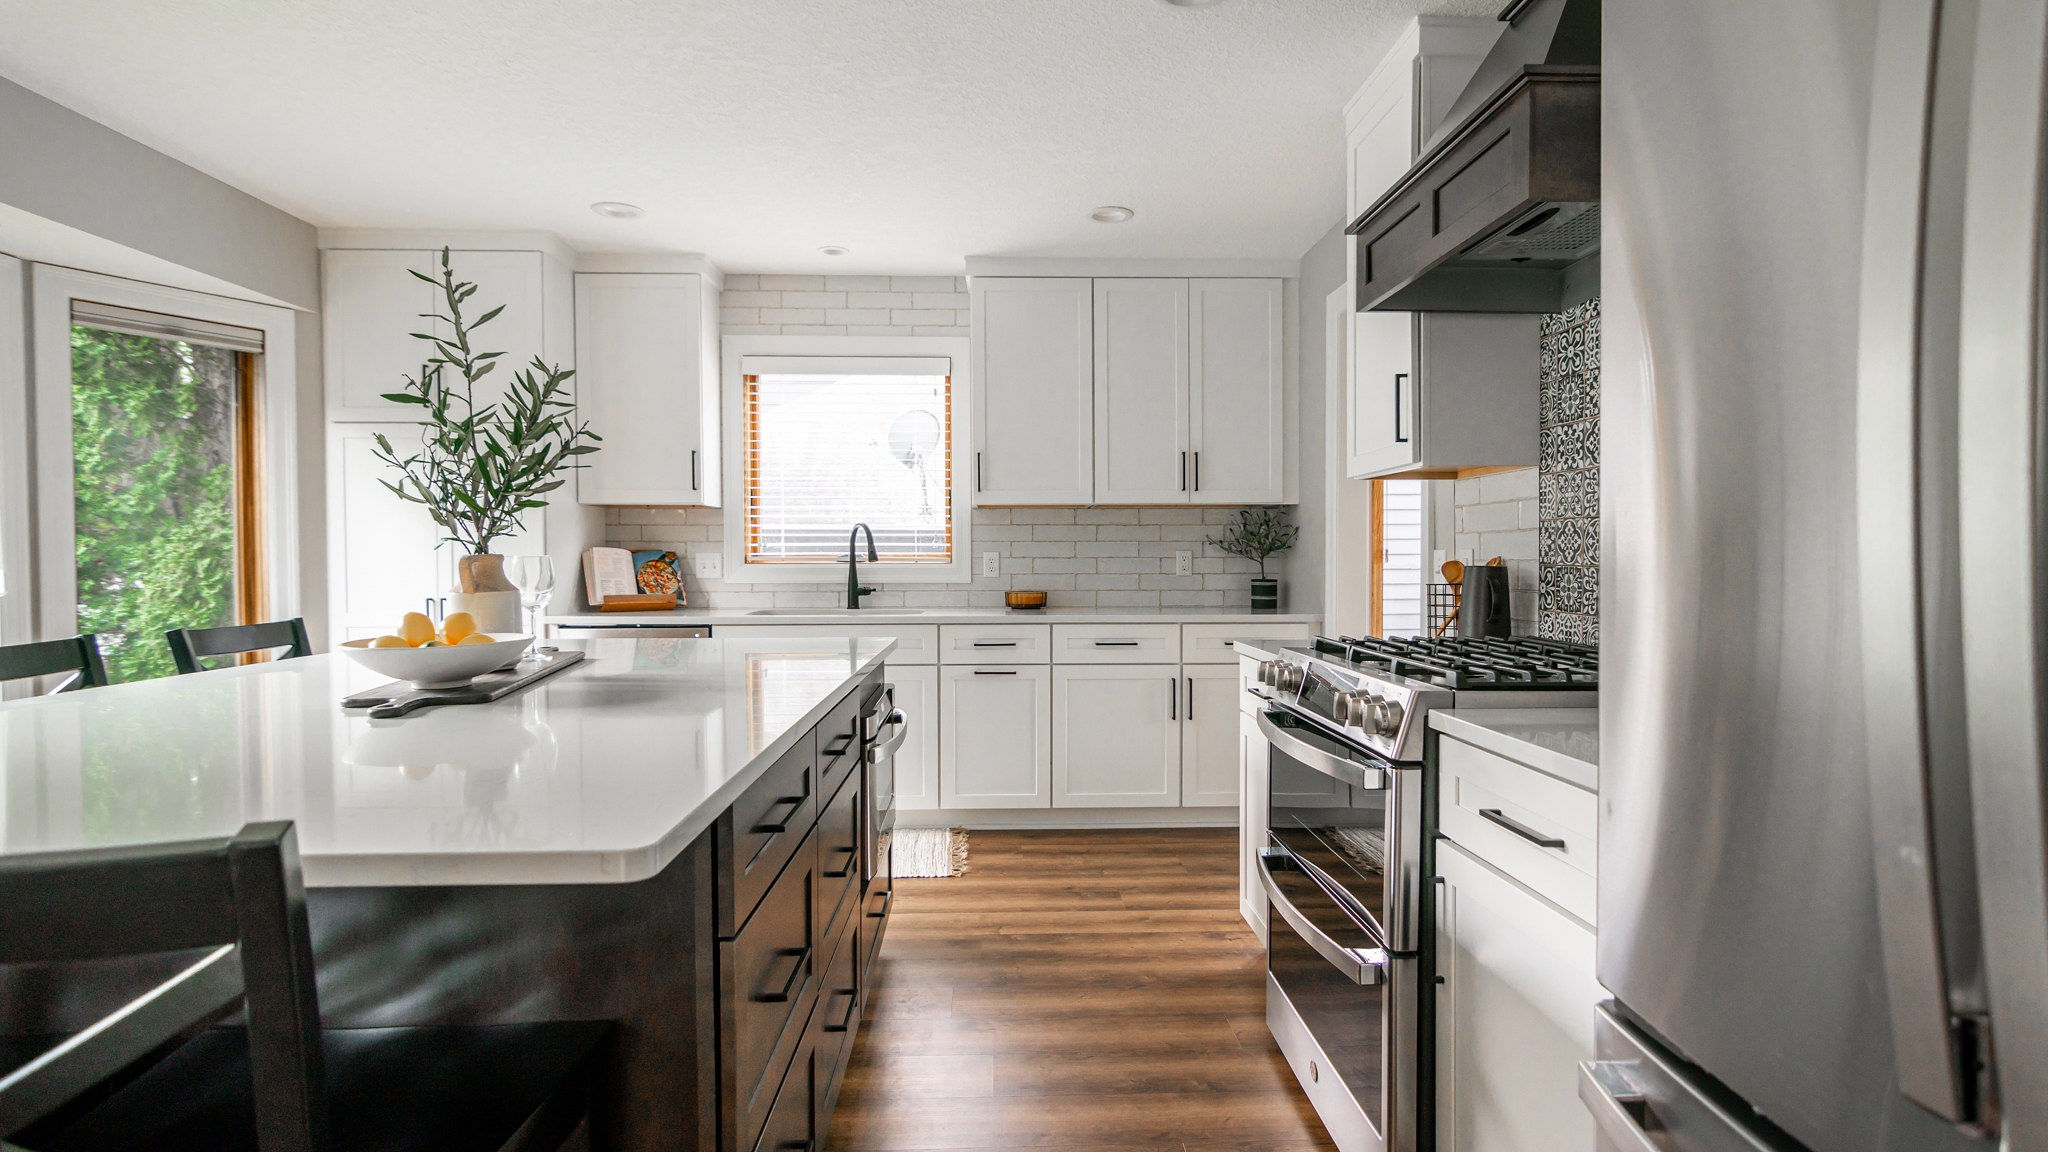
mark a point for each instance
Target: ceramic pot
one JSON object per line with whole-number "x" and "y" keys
{"x": 1265, "y": 594}
{"x": 483, "y": 591}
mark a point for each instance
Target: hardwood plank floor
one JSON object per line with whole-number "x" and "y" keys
{"x": 1074, "y": 992}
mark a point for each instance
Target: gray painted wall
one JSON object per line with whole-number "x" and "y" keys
{"x": 1322, "y": 272}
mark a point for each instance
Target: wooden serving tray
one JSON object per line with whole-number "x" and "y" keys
{"x": 397, "y": 698}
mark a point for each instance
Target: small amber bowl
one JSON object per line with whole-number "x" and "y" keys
{"x": 1024, "y": 599}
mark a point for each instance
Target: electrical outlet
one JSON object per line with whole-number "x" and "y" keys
{"x": 991, "y": 563}
{"x": 709, "y": 565}
{"x": 1184, "y": 563}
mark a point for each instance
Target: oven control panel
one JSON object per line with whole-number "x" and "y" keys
{"x": 1380, "y": 713}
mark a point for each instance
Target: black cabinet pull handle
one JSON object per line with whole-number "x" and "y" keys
{"x": 888, "y": 898}
{"x": 777, "y": 827}
{"x": 995, "y": 643}
{"x": 1191, "y": 697}
{"x": 977, "y": 471}
{"x": 1183, "y": 471}
{"x": 1520, "y": 829}
{"x": 1399, "y": 437}
{"x": 852, "y": 1009}
{"x": 840, "y": 746}
{"x": 1116, "y": 643}
{"x": 1198, "y": 471}
{"x": 694, "y": 485}
{"x": 1173, "y": 697}
{"x": 840, "y": 874}
{"x": 992, "y": 672}
{"x": 796, "y": 973}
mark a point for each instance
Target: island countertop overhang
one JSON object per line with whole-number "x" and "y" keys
{"x": 602, "y": 774}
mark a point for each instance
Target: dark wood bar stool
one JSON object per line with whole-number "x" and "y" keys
{"x": 154, "y": 1075}
{"x": 78, "y": 655}
{"x": 191, "y": 645}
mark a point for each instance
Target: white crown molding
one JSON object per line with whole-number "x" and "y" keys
{"x": 654, "y": 262}
{"x": 1134, "y": 266}
{"x": 459, "y": 239}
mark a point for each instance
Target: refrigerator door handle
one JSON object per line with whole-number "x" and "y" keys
{"x": 1919, "y": 793}
{"x": 2002, "y": 541}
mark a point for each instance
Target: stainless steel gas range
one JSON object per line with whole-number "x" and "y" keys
{"x": 1347, "y": 858}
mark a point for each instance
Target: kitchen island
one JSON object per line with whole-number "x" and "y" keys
{"x": 629, "y": 840}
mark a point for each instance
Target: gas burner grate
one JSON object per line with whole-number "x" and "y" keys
{"x": 1458, "y": 663}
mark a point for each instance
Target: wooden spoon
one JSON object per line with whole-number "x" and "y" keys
{"x": 1454, "y": 573}
{"x": 1495, "y": 562}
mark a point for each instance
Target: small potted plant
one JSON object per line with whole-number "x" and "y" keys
{"x": 481, "y": 467}
{"x": 1257, "y": 534}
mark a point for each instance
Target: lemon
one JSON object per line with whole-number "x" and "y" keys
{"x": 475, "y": 638}
{"x": 456, "y": 626}
{"x": 389, "y": 642}
{"x": 416, "y": 629}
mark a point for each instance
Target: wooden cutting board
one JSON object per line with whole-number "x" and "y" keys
{"x": 397, "y": 698}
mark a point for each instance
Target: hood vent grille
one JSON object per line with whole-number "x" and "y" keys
{"x": 1552, "y": 232}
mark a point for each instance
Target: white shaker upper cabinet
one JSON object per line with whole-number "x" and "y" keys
{"x": 371, "y": 304}
{"x": 1141, "y": 392}
{"x": 1034, "y": 390}
{"x": 511, "y": 280}
{"x": 1237, "y": 387}
{"x": 647, "y": 381}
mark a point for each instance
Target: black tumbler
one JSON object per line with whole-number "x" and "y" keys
{"x": 1485, "y": 609}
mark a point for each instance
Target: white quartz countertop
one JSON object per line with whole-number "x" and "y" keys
{"x": 688, "y": 617}
{"x": 1564, "y": 742}
{"x": 602, "y": 773}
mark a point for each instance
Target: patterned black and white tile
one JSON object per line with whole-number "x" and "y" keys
{"x": 1568, "y": 485}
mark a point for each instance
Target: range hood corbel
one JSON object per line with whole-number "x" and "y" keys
{"x": 1506, "y": 198}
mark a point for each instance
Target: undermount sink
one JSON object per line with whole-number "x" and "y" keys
{"x": 837, "y": 612}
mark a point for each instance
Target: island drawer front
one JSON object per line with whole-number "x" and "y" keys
{"x": 839, "y": 741}
{"x": 874, "y": 921}
{"x": 836, "y": 1021}
{"x": 768, "y": 978}
{"x": 1217, "y": 643}
{"x": 1116, "y": 643}
{"x": 794, "y": 1122}
{"x": 1498, "y": 810}
{"x": 762, "y": 829}
{"x": 995, "y": 644}
{"x": 839, "y": 859}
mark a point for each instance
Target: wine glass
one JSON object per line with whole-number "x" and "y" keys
{"x": 534, "y": 576}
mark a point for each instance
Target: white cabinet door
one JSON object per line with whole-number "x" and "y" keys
{"x": 1380, "y": 138}
{"x": 644, "y": 382}
{"x": 511, "y": 280}
{"x": 386, "y": 556}
{"x": 1382, "y": 431}
{"x": 1251, "y": 821}
{"x": 1034, "y": 366}
{"x": 995, "y": 736}
{"x": 1141, "y": 392}
{"x": 1116, "y": 736}
{"x": 1237, "y": 382}
{"x": 917, "y": 759}
{"x": 370, "y": 305}
{"x": 1514, "y": 1014}
{"x": 1208, "y": 736}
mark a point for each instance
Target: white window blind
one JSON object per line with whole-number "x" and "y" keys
{"x": 1401, "y": 582}
{"x": 136, "y": 322}
{"x": 831, "y": 443}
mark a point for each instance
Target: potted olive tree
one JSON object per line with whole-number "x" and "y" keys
{"x": 1256, "y": 534}
{"x": 482, "y": 466}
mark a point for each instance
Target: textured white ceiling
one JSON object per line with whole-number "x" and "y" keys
{"x": 916, "y": 132}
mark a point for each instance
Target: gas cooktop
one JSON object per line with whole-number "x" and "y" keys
{"x": 1458, "y": 663}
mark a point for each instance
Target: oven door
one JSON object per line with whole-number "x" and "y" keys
{"x": 1344, "y": 815}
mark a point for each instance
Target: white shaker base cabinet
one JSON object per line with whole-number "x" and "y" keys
{"x": 995, "y": 731}
{"x": 917, "y": 760}
{"x": 1514, "y": 1014}
{"x": 1116, "y": 736}
{"x": 1208, "y": 736}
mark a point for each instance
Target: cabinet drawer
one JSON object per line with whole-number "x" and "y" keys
{"x": 793, "y": 1121}
{"x": 836, "y": 1020}
{"x": 768, "y": 984}
{"x": 1214, "y": 643}
{"x": 839, "y": 858}
{"x": 874, "y": 923}
{"x": 1512, "y": 816}
{"x": 995, "y": 644}
{"x": 762, "y": 829}
{"x": 915, "y": 643}
{"x": 839, "y": 741}
{"x": 1116, "y": 643}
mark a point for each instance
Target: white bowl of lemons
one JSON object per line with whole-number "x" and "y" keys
{"x": 428, "y": 657}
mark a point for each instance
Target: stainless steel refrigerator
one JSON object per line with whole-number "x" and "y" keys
{"x": 1822, "y": 906}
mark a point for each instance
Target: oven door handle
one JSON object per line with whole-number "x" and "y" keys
{"x": 1359, "y": 965}
{"x": 1328, "y": 763}
{"x": 888, "y": 747}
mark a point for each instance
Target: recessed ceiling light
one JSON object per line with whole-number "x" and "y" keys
{"x": 616, "y": 209}
{"x": 1111, "y": 214}
{"x": 833, "y": 250}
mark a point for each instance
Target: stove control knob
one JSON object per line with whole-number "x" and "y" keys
{"x": 1353, "y": 709}
{"x": 1389, "y": 718}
